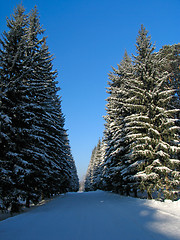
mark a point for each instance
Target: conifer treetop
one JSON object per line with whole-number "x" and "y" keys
{"x": 143, "y": 44}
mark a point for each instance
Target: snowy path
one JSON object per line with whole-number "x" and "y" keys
{"x": 95, "y": 216}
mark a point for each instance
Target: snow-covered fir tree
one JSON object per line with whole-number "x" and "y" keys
{"x": 141, "y": 134}
{"x": 150, "y": 128}
{"x": 73, "y": 180}
{"x": 117, "y": 110}
{"x": 93, "y": 178}
{"x": 12, "y": 57}
{"x": 89, "y": 175}
{"x": 96, "y": 166}
{"x": 36, "y": 159}
{"x": 172, "y": 65}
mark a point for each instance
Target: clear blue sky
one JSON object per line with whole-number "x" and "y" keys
{"x": 87, "y": 37}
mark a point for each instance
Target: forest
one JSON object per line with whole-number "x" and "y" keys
{"x": 139, "y": 154}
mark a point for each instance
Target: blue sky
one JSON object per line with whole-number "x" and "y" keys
{"x": 87, "y": 37}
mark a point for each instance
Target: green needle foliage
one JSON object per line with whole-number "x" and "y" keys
{"x": 36, "y": 160}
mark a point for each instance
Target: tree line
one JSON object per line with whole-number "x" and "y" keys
{"x": 139, "y": 154}
{"x": 35, "y": 159}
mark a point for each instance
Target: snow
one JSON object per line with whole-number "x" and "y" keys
{"x": 174, "y": 160}
{"x": 145, "y": 176}
{"x": 6, "y": 119}
{"x": 154, "y": 131}
{"x": 166, "y": 169}
{"x": 175, "y": 149}
{"x": 96, "y": 215}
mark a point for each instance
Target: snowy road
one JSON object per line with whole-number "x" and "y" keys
{"x": 95, "y": 216}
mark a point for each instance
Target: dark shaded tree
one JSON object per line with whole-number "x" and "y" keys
{"x": 36, "y": 160}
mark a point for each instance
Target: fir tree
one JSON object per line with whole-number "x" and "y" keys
{"x": 93, "y": 176}
{"x": 150, "y": 128}
{"x": 52, "y": 146}
{"x": 141, "y": 131}
{"x": 96, "y": 166}
{"x": 36, "y": 158}
{"x": 12, "y": 72}
{"x": 89, "y": 175}
{"x": 117, "y": 110}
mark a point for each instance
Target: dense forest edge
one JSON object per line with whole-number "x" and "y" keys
{"x": 36, "y": 160}
{"x": 139, "y": 154}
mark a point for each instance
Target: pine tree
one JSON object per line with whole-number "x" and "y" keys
{"x": 172, "y": 65}
{"x": 36, "y": 160}
{"x": 52, "y": 146}
{"x": 12, "y": 58}
{"x": 72, "y": 180}
{"x": 117, "y": 110}
{"x": 96, "y": 166}
{"x": 93, "y": 178}
{"x": 150, "y": 128}
{"x": 102, "y": 167}
{"x": 141, "y": 131}
{"x": 89, "y": 175}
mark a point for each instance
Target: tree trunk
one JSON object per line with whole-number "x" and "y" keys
{"x": 27, "y": 202}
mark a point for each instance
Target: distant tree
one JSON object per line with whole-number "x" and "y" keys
{"x": 89, "y": 175}
{"x": 93, "y": 178}
{"x": 96, "y": 166}
{"x": 73, "y": 180}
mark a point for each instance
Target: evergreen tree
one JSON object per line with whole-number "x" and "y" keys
{"x": 89, "y": 175}
{"x": 96, "y": 166}
{"x": 141, "y": 131}
{"x": 72, "y": 180}
{"x": 150, "y": 128}
{"x": 50, "y": 120}
{"x": 12, "y": 72}
{"x": 117, "y": 110}
{"x": 93, "y": 176}
{"x": 172, "y": 65}
{"x": 36, "y": 158}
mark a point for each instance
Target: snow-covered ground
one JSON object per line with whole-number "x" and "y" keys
{"x": 96, "y": 216}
